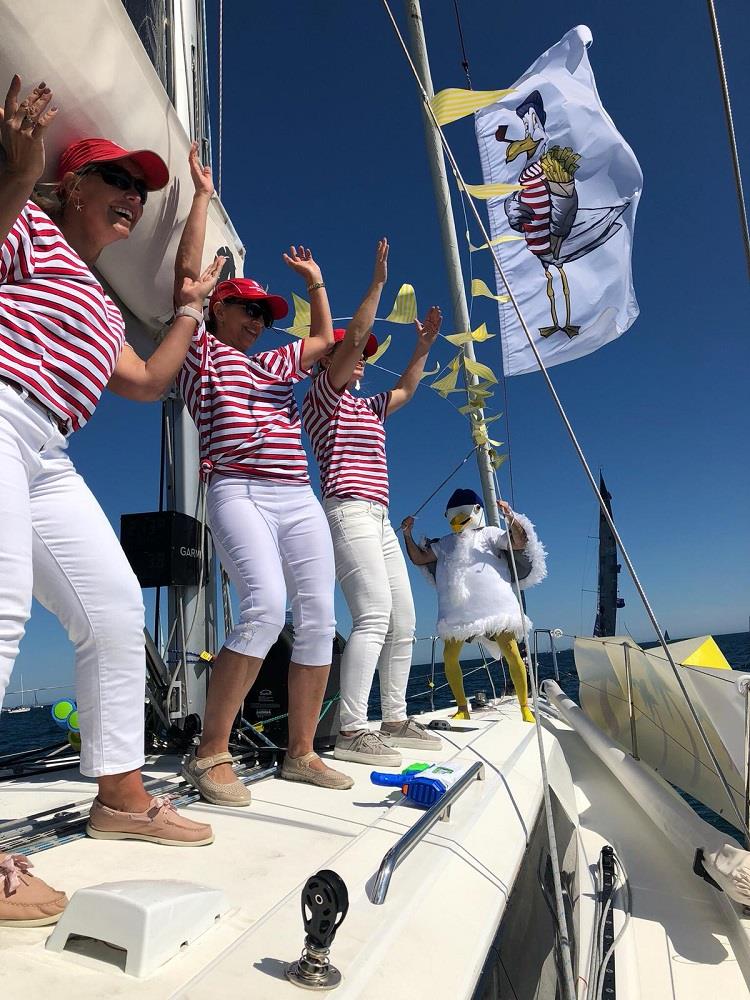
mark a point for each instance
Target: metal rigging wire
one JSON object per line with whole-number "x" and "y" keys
{"x": 219, "y": 158}
{"x": 730, "y": 130}
{"x": 465, "y": 60}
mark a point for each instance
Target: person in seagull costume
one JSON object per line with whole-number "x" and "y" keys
{"x": 476, "y": 588}
{"x": 546, "y": 211}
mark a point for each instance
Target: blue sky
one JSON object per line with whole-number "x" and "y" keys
{"x": 323, "y": 144}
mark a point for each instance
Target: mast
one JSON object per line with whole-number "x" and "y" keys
{"x": 191, "y": 612}
{"x": 173, "y": 35}
{"x": 449, "y": 238}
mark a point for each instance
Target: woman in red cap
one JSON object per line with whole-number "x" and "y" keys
{"x": 268, "y": 527}
{"x": 62, "y": 341}
{"x": 348, "y": 437}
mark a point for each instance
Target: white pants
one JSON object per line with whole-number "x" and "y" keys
{"x": 371, "y": 570}
{"x": 273, "y": 541}
{"x": 56, "y": 543}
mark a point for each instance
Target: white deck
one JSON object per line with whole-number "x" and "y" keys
{"x": 431, "y": 936}
{"x": 446, "y": 899}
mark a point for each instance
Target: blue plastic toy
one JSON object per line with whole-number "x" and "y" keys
{"x": 423, "y": 784}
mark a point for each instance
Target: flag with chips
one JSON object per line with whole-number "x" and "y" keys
{"x": 575, "y": 211}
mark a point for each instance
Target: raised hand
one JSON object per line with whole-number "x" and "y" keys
{"x": 505, "y": 509}
{"x": 407, "y": 524}
{"x": 380, "y": 272}
{"x": 195, "y": 290}
{"x": 22, "y": 129}
{"x": 429, "y": 328}
{"x": 202, "y": 179}
{"x": 300, "y": 259}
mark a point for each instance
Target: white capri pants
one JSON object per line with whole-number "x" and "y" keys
{"x": 273, "y": 541}
{"x": 56, "y": 543}
{"x": 372, "y": 572}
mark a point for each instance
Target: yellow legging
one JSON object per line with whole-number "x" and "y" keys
{"x": 454, "y": 675}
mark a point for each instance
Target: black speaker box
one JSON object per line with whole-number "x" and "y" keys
{"x": 268, "y": 698}
{"x": 163, "y": 548}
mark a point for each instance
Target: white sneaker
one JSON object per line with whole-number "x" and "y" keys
{"x": 367, "y": 746}
{"x": 411, "y": 734}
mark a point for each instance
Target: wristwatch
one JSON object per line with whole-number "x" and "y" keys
{"x": 195, "y": 314}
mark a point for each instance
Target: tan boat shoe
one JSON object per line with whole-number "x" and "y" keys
{"x": 196, "y": 771}
{"x": 298, "y": 769}
{"x": 25, "y": 900}
{"x": 161, "y": 824}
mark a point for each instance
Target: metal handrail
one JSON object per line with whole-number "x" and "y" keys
{"x": 404, "y": 846}
{"x": 553, "y": 633}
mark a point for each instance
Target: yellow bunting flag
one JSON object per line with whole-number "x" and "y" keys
{"x": 476, "y": 336}
{"x": 447, "y": 383}
{"x": 431, "y": 374}
{"x": 380, "y": 351}
{"x": 480, "y": 370}
{"x": 301, "y": 324}
{"x": 469, "y": 408}
{"x": 481, "y": 334}
{"x": 478, "y": 399}
{"x": 493, "y": 243}
{"x": 496, "y": 459}
{"x": 478, "y": 287}
{"x": 451, "y": 104}
{"x": 485, "y": 191}
{"x": 479, "y": 436}
{"x": 405, "y": 307}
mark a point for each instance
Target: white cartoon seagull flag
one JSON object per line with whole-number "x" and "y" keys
{"x": 571, "y": 223}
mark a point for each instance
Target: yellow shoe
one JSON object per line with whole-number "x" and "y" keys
{"x": 462, "y": 713}
{"x": 527, "y": 714}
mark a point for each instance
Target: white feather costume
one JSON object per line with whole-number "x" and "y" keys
{"x": 476, "y": 591}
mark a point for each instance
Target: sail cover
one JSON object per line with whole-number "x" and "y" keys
{"x": 667, "y": 737}
{"x": 566, "y": 235}
{"x": 105, "y": 84}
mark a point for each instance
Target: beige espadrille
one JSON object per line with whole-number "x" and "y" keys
{"x": 298, "y": 769}
{"x": 196, "y": 771}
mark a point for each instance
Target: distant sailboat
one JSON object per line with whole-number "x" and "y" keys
{"x": 608, "y": 602}
{"x": 19, "y": 708}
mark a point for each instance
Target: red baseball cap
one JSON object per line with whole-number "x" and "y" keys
{"x": 246, "y": 288}
{"x": 370, "y": 347}
{"x": 80, "y": 154}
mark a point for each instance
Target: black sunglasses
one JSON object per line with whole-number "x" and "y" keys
{"x": 118, "y": 178}
{"x": 255, "y": 310}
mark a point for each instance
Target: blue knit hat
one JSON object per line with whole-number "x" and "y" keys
{"x": 464, "y": 498}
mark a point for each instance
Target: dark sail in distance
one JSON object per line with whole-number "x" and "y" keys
{"x": 608, "y": 602}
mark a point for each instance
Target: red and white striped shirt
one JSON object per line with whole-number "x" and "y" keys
{"x": 60, "y": 334}
{"x": 535, "y": 194}
{"x": 348, "y": 438}
{"x": 244, "y": 408}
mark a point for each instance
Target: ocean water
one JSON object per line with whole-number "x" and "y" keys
{"x": 36, "y": 728}
{"x": 735, "y": 646}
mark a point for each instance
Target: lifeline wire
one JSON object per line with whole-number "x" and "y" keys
{"x": 569, "y": 428}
